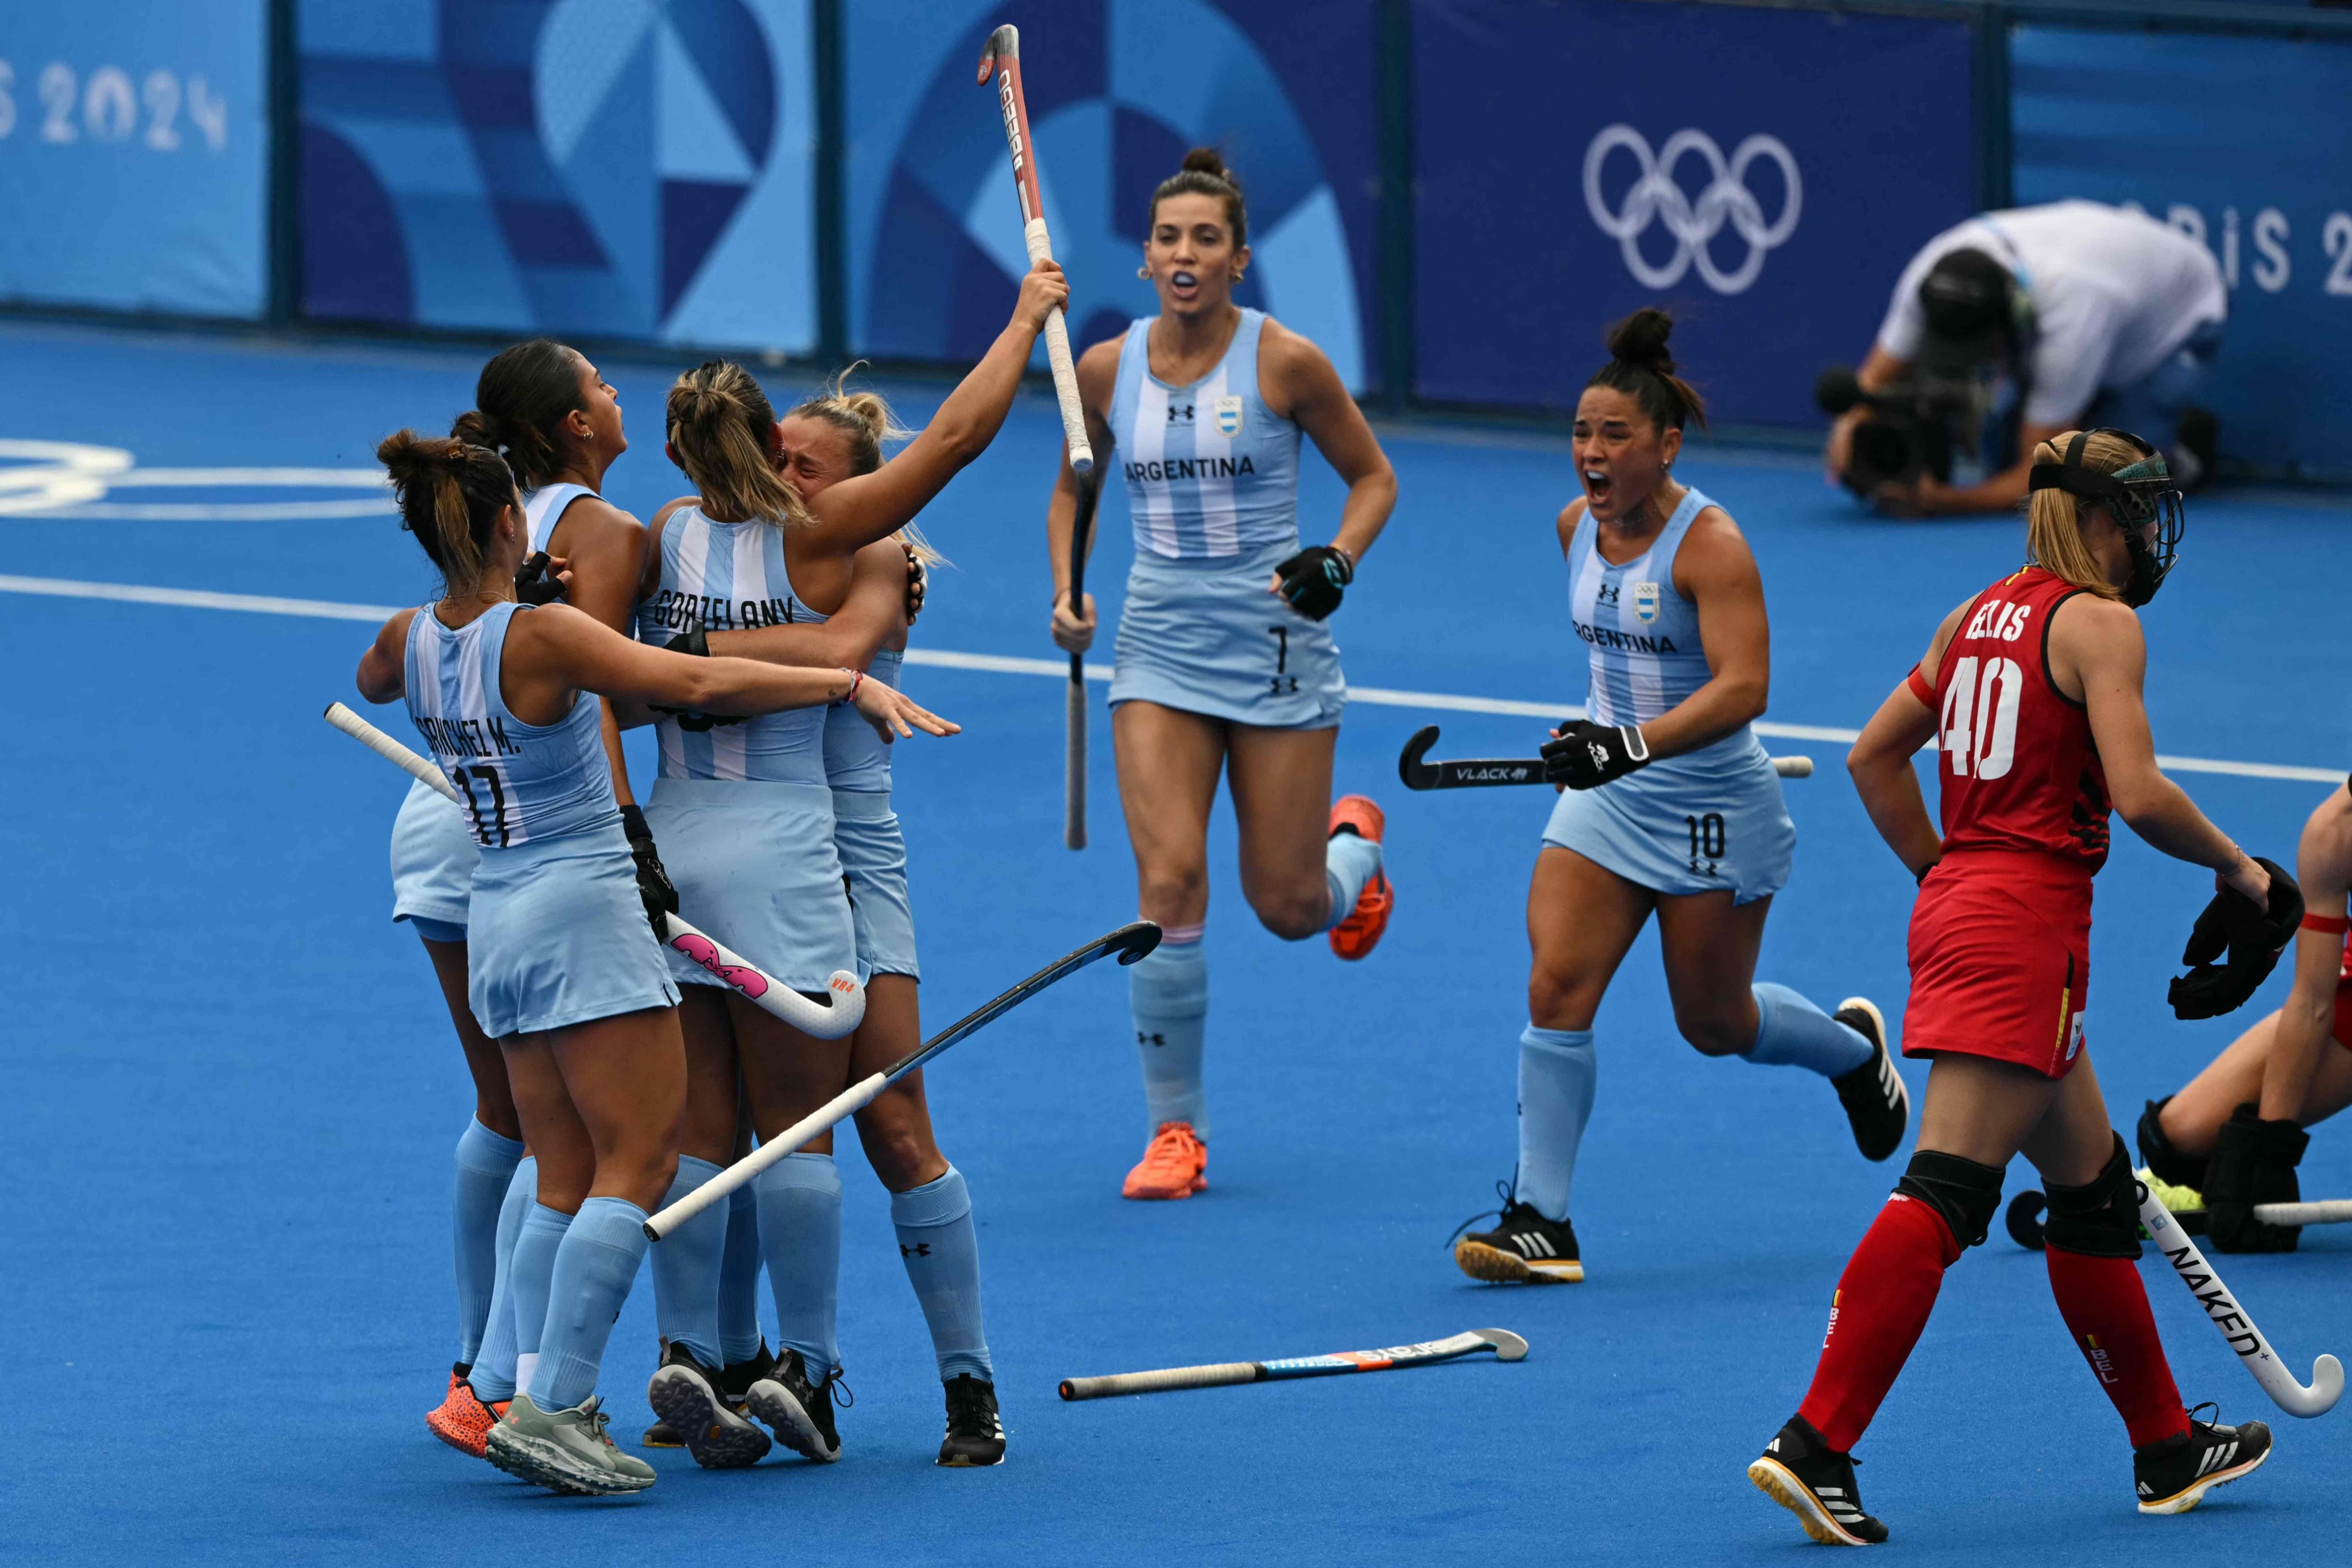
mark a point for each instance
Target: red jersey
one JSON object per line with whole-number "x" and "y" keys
{"x": 2019, "y": 771}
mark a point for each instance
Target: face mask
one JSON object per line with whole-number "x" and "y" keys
{"x": 2134, "y": 496}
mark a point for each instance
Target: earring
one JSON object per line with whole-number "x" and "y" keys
{"x": 1144, "y": 272}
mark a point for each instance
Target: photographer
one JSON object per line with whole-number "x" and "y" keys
{"x": 2018, "y": 325}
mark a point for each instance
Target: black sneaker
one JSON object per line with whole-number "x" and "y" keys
{"x": 734, "y": 1384}
{"x": 1524, "y": 1247}
{"x": 661, "y": 1434}
{"x": 684, "y": 1393}
{"x": 800, "y": 1411}
{"x": 2173, "y": 1476}
{"x": 975, "y": 1436}
{"x": 1877, "y": 1104}
{"x": 1797, "y": 1470}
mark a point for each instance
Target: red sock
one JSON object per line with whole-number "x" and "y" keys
{"x": 2105, "y": 1307}
{"x": 1880, "y": 1310}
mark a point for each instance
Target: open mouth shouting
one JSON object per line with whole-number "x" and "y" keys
{"x": 1183, "y": 284}
{"x": 1597, "y": 485}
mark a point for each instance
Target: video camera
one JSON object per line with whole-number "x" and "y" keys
{"x": 1914, "y": 426}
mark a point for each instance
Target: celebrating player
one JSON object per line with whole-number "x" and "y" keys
{"x": 1217, "y": 670}
{"x": 2032, "y": 690}
{"x": 2236, "y": 1133}
{"x": 1670, "y": 804}
{"x": 562, "y": 969}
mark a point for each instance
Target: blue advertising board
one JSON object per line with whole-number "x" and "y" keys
{"x": 630, "y": 171}
{"x": 2240, "y": 142}
{"x": 1116, "y": 91}
{"x": 1762, "y": 173}
{"x": 134, "y": 155}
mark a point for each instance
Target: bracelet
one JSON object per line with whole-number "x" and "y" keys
{"x": 856, "y": 679}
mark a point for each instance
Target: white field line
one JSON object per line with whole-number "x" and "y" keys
{"x": 1059, "y": 669}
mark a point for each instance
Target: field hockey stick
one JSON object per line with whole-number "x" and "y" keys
{"x": 1074, "y": 777}
{"x": 840, "y": 1014}
{"x": 1002, "y": 56}
{"x": 1507, "y": 1346}
{"x": 1129, "y": 942}
{"x": 1487, "y": 772}
{"x": 2327, "y": 1384}
{"x": 2024, "y": 1217}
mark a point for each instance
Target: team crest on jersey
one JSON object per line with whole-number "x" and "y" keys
{"x": 1229, "y": 416}
{"x": 1645, "y": 601}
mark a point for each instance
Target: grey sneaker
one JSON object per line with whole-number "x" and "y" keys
{"x": 683, "y": 1395}
{"x": 565, "y": 1450}
{"x": 799, "y": 1410}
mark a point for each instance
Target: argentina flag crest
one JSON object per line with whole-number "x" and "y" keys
{"x": 1229, "y": 416}
{"x": 1645, "y": 601}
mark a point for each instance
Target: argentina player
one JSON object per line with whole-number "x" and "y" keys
{"x": 1217, "y": 670}
{"x": 1669, "y": 804}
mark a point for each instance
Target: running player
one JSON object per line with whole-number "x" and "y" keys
{"x": 1224, "y": 660}
{"x": 1670, "y": 804}
{"x": 562, "y": 973}
{"x": 2235, "y": 1134}
{"x": 2032, "y": 690}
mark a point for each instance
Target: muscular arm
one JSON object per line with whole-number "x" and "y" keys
{"x": 557, "y": 649}
{"x": 1308, "y": 391}
{"x": 2324, "y": 866}
{"x": 874, "y": 614}
{"x": 606, "y": 548}
{"x": 383, "y": 669}
{"x": 1880, "y": 764}
{"x": 1715, "y": 572}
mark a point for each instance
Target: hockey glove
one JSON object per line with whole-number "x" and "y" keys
{"x": 695, "y": 643}
{"x": 2252, "y": 938}
{"x": 653, "y": 883}
{"x": 535, "y": 584}
{"x": 1588, "y": 755}
{"x": 1314, "y": 580}
{"x": 2254, "y": 1162}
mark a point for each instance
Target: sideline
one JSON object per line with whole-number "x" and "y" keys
{"x": 1057, "y": 669}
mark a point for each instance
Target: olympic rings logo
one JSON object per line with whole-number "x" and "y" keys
{"x": 1656, "y": 198}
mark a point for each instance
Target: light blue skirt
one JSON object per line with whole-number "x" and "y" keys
{"x": 433, "y": 859}
{"x": 873, "y": 858}
{"x": 558, "y": 935}
{"x": 754, "y": 866}
{"x": 1706, "y": 823}
{"x": 1206, "y": 637}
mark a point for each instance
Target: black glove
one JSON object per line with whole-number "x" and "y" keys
{"x": 693, "y": 643}
{"x": 534, "y": 584}
{"x": 2254, "y": 938}
{"x": 919, "y": 583}
{"x": 653, "y": 883}
{"x": 1314, "y": 579}
{"x": 2254, "y": 1162}
{"x": 1588, "y": 755}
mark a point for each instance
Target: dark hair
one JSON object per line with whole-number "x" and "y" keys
{"x": 1204, "y": 175}
{"x": 519, "y": 404}
{"x": 450, "y": 493}
{"x": 719, "y": 421}
{"x": 1639, "y": 367}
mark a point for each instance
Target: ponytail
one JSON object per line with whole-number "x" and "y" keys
{"x": 719, "y": 424}
{"x": 1639, "y": 367}
{"x": 520, "y": 402}
{"x": 450, "y": 493}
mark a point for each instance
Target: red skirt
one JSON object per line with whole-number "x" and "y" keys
{"x": 2000, "y": 961}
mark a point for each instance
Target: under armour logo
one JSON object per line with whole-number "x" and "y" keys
{"x": 1607, "y": 593}
{"x": 1179, "y": 414}
{"x": 919, "y": 1250}
{"x": 1143, "y": 1038}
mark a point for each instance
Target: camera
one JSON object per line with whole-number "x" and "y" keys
{"x": 1914, "y": 426}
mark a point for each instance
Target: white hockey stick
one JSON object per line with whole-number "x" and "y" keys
{"x": 1507, "y": 1346}
{"x": 2327, "y": 1373}
{"x": 1001, "y": 57}
{"x": 829, "y": 1020}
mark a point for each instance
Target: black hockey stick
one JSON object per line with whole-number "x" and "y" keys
{"x": 1486, "y": 772}
{"x": 1074, "y": 777}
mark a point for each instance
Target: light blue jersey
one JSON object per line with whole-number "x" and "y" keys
{"x": 521, "y": 781}
{"x": 730, "y": 577}
{"x": 1211, "y": 471}
{"x": 543, "y": 508}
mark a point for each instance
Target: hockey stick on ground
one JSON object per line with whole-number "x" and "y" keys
{"x": 2024, "y": 1217}
{"x": 1002, "y": 57}
{"x": 1074, "y": 779}
{"x": 1507, "y": 1346}
{"x": 1476, "y": 773}
{"x": 2327, "y": 1373}
{"x": 842, "y": 1012}
{"x": 1129, "y": 942}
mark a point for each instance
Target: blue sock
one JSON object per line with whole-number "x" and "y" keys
{"x": 942, "y": 1251}
{"x": 494, "y": 1368}
{"x": 593, "y": 1270}
{"x": 685, "y": 1268}
{"x": 738, "y": 1280}
{"x": 1557, "y": 1068}
{"x": 528, "y": 1277}
{"x": 1792, "y": 1032}
{"x": 800, "y": 1234}
{"x": 486, "y": 1167}
{"x": 1169, "y": 991}
{"x": 1350, "y": 861}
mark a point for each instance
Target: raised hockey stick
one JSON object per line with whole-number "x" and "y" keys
{"x": 841, "y": 1013}
{"x": 2327, "y": 1384}
{"x": 1129, "y": 942}
{"x": 1074, "y": 775}
{"x": 1002, "y": 57}
{"x": 1507, "y": 1346}
{"x": 1487, "y": 772}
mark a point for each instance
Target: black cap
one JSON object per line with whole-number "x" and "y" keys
{"x": 1966, "y": 298}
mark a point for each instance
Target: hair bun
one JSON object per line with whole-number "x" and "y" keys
{"x": 409, "y": 457}
{"x": 1641, "y": 339}
{"x": 478, "y": 429}
{"x": 1208, "y": 160}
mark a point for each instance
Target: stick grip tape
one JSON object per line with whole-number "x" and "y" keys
{"x": 1160, "y": 1382}
{"x": 1057, "y": 355}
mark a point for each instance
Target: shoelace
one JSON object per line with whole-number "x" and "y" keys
{"x": 598, "y": 1421}
{"x": 2194, "y": 1423}
{"x": 833, "y": 1381}
{"x": 1508, "y": 1191}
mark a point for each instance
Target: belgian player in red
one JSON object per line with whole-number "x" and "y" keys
{"x": 2031, "y": 691}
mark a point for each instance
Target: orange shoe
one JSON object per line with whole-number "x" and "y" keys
{"x": 1356, "y": 935}
{"x": 1175, "y": 1165}
{"x": 464, "y": 1422}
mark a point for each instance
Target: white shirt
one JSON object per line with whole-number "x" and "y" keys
{"x": 2114, "y": 295}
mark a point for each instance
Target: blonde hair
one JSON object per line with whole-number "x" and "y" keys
{"x": 2053, "y": 519}
{"x": 450, "y": 493}
{"x": 719, "y": 421}
{"x": 868, "y": 419}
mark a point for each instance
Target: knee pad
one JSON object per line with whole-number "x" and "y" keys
{"x": 2101, "y": 1218}
{"x": 2156, "y": 1153}
{"x": 1964, "y": 1193}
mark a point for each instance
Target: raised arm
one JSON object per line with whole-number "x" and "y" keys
{"x": 383, "y": 669}
{"x": 2323, "y": 864}
{"x": 1880, "y": 763}
{"x": 874, "y": 614}
{"x": 1308, "y": 391}
{"x": 1074, "y": 625}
